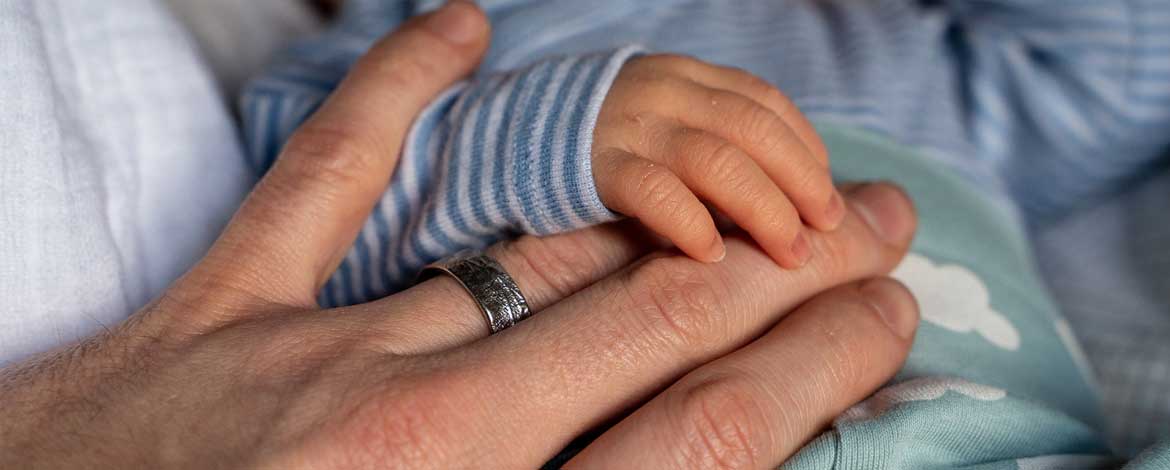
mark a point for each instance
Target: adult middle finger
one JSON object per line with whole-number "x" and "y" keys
{"x": 755, "y": 407}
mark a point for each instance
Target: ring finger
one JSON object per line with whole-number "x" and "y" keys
{"x": 545, "y": 269}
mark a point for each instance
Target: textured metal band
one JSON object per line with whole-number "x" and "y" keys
{"x": 490, "y": 286}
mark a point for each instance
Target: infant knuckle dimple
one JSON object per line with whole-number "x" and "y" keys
{"x": 678, "y": 63}
{"x": 678, "y": 304}
{"x": 658, "y": 90}
{"x": 772, "y": 96}
{"x": 640, "y": 64}
{"x": 761, "y": 88}
{"x": 694, "y": 222}
{"x": 773, "y": 143}
{"x": 720, "y": 425}
{"x": 759, "y": 124}
{"x": 814, "y": 181}
{"x": 724, "y": 162}
{"x": 654, "y": 185}
{"x": 772, "y": 215}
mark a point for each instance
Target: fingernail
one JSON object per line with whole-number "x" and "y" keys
{"x": 886, "y": 209}
{"x": 800, "y": 249}
{"x": 836, "y": 209}
{"x": 718, "y": 247}
{"x": 456, "y": 21}
{"x": 894, "y": 303}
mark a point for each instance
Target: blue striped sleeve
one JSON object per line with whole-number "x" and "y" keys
{"x": 505, "y": 153}
{"x": 1070, "y": 97}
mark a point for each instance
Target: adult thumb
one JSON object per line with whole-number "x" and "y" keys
{"x": 300, "y": 220}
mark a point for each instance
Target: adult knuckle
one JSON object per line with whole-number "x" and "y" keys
{"x": 213, "y": 292}
{"x": 719, "y": 419}
{"x": 333, "y": 156}
{"x": 845, "y": 361}
{"x": 677, "y": 304}
{"x": 399, "y": 72}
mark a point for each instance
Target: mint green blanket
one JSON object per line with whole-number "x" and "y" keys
{"x": 996, "y": 379}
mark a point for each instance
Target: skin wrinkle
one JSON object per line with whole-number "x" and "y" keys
{"x": 715, "y": 430}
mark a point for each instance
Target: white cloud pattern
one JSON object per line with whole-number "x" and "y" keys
{"x": 919, "y": 389}
{"x": 954, "y": 298}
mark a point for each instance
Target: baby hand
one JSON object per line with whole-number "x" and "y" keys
{"x": 674, "y": 131}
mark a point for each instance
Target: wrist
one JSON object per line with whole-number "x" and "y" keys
{"x": 57, "y": 412}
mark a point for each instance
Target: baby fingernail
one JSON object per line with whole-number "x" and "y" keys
{"x": 719, "y": 248}
{"x": 836, "y": 209}
{"x": 800, "y": 249}
{"x": 894, "y": 303}
{"x": 456, "y": 22}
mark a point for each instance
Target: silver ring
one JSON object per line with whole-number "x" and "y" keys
{"x": 490, "y": 286}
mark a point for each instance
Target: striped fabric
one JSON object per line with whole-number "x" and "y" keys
{"x": 1051, "y": 103}
{"x": 505, "y": 154}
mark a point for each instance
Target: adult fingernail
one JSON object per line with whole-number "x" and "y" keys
{"x": 894, "y": 303}
{"x": 886, "y": 209}
{"x": 457, "y": 21}
{"x": 800, "y": 249}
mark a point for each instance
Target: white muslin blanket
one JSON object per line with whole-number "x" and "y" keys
{"x": 118, "y": 165}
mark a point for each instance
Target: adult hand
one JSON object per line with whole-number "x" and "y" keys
{"x": 236, "y": 366}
